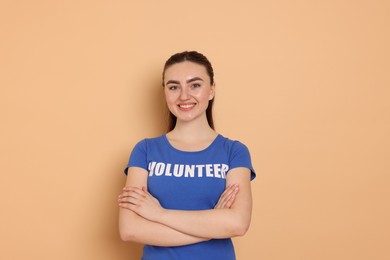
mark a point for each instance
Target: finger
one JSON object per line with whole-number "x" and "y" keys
{"x": 130, "y": 196}
{"x": 229, "y": 198}
{"x": 129, "y": 206}
{"x": 131, "y": 188}
{"x": 224, "y": 201}
{"x": 133, "y": 192}
{"x": 129, "y": 200}
{"x": 227, "y": 193}
{"x": 224, "y": 196}
{"x": 150, "y": 196}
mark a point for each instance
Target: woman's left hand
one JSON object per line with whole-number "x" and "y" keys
{"x": 141, "y": 202}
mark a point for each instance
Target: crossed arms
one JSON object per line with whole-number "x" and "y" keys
{"x": 143, "y": 220}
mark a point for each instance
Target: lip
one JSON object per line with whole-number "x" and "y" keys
{"x": 186, "y": 106}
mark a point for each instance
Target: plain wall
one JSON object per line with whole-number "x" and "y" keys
{"x": 304, "y": 84}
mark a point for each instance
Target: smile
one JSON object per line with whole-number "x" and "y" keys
{"x": 187, "y": 106}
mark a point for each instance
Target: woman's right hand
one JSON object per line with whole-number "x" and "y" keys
{"x": 227, "y": 197}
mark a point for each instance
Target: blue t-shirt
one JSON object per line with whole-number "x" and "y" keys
{"x": 189, "y": 181}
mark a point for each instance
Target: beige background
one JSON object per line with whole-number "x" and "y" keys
{"x": 305, "y": 84}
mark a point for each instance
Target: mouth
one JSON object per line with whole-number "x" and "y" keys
{"x": 186, "y": 106}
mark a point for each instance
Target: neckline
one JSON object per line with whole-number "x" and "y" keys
{"x": 183, "y": 151}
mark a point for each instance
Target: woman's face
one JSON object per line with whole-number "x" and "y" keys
{"x": 187, "y": 90}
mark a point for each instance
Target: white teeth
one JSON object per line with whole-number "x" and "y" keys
{"x": 187, "y": 106}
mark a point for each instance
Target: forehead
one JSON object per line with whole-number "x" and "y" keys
{"x": 184, "y": 70}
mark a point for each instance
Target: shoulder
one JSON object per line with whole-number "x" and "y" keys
{"x": 142, "y": 150}
{"x": 239, "y": 155}
{"x": 236, "y": 150}
{"x": 232, "y": 145}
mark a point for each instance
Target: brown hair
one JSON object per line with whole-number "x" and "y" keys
{"x": 200, "y": 59}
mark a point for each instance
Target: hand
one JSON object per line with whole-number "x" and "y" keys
{"x": 227, "y": 197}
{"x": 141, "y": 202}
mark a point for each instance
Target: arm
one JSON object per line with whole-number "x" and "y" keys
{"x": 133, "y": 227}
{"x": 214, "y": 223}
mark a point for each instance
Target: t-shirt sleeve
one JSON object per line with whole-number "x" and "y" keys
{"x": 138, "y": 157}
{"x": 240, "y": 157}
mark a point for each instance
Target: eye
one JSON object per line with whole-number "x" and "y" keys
{"x": 172, "y": 87}
{"x": 195, "y": 85}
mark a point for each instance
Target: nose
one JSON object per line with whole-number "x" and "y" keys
{"x": 184, "y": 94}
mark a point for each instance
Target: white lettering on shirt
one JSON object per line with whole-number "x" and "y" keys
{"x": 188, "y": 171}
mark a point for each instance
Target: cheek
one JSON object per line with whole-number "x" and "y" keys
{"x": 170, "y": 98}
{"x": 204, "y": 96}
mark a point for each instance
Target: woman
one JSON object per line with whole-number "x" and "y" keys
{"x": 188, "y": 191}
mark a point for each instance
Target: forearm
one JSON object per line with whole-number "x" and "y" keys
{"x": 134, "y": 228}
{"x": 207, "y": 224}
{"x": 214, "y": 223}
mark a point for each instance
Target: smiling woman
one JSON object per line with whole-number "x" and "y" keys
{"x": 188, "y": 191}
{"x": 196, "y": 59}
{"x": 188, "y": 90}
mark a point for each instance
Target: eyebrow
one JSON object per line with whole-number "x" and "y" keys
{"x": 188, "y": 81}
{"x": 194, "y": 79}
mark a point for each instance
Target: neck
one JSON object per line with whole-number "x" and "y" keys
{"x": 192, "y": 130}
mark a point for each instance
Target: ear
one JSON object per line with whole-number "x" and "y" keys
{"x": 212, "y": 92}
